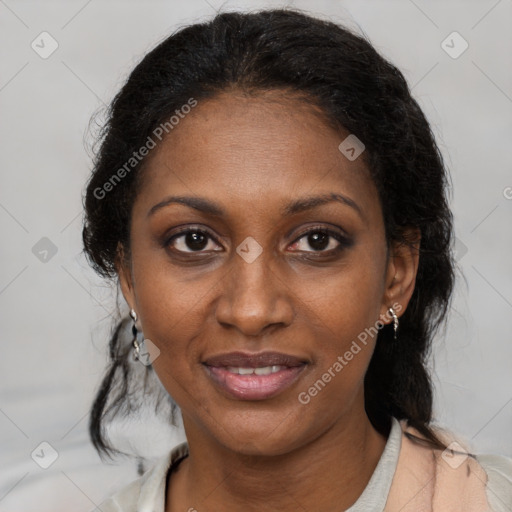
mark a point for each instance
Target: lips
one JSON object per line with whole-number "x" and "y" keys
{"x": 246, "y": 376}
{"x": 247, "y": 360}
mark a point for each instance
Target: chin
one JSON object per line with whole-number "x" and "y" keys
{"x": 250, "y": 435}
{"x": 259, "y": 445}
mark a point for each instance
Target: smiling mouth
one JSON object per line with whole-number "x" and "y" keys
{"x": 260, "y": 376}
{"x": 261, "y": 370}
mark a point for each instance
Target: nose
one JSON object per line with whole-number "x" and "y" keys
{"x": 254, "y": 297}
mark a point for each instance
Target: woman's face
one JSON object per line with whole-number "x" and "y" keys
{"x": 264, "y": 275}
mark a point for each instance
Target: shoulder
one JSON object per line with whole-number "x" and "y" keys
{"x": 492, "y": 473}
{"x": 124, "y": 500}
{"x": 496, "y": 469}
{"x": 148, "y": 491}
{"x": 499, "y": 480}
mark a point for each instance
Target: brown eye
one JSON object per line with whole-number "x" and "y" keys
{"x": 321, "y": 240}
{"x": 191, "y": 240}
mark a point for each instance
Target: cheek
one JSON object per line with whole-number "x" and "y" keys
{"x": 348, "y": 300}
{"x": 342, "y": 313}
{"x": 172, "y": 306}
{"x": 168, "y": 298}
{"x": 171, "y": 320}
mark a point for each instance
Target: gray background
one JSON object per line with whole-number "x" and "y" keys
{"x": 55, "y": 313}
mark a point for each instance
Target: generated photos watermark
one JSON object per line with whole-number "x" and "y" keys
{"x": 343, "y": 360}
{"x": 158, "y": 133}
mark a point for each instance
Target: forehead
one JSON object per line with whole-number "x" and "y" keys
{"x": 255, "y": 150}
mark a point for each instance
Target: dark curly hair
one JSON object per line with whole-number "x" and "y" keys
{"x": 356, "y": 88}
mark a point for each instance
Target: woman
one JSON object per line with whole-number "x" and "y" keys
{"x": 272, "y": 202}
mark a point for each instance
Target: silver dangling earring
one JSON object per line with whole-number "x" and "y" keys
{"x": 136, "y": 346}
{"x": 391, "y": 311}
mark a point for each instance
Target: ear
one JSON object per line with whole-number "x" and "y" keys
{"x": 401, "y": 271}
{"x": 124, "y": 272}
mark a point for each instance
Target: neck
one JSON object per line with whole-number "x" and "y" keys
{"x": 328, "y": 473}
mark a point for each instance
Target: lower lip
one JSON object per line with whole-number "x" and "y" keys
{"x": 254, "y": 387}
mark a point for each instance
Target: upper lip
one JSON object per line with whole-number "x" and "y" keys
{"x": 254, "y": 360}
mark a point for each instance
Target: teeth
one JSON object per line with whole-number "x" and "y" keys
{"x": 266, "y": 370}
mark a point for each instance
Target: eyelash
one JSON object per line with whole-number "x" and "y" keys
{"x": 343, "y": 241}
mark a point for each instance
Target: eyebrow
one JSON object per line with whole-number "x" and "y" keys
{"x": 296, "y": 206}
